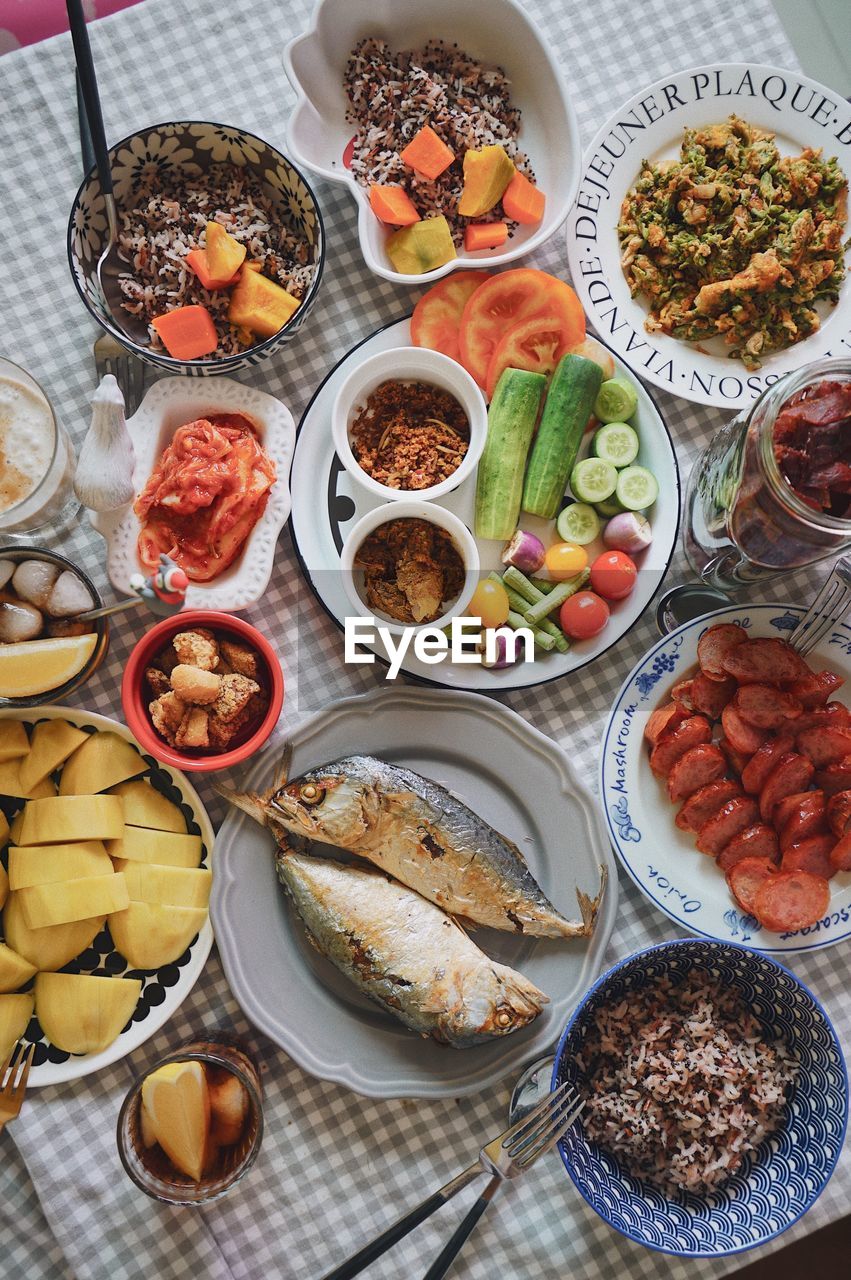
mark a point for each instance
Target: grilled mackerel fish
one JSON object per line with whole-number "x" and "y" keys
{"x": 421, "y": 834}
{"x": 405, "y": 954}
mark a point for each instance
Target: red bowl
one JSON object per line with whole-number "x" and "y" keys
{"x": 135, "y": 701}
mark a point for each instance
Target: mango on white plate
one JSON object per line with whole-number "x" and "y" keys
{"x": 15, "y": 827}
{"x": 139, "y": 844}
{"x": 150, "y": 935}
{"x": 14, "y": 742}
{"x": 103, "y": 760}
{"x": 14, "y": 969}
{"x": 46, "y": 905}
{"x": 15, "y": 1014}
{"x": 4, "y": 827}
{"x": 49, "y": 948}
{"x": 4, "y": 885}
{"x": 177, "y": 1102}
{"x": 63, "y": 819}
{"x": 53, "y": 741}
{"x": 168, "y": 886}
{"x": 80, "y": 1013}
{"x": 49, "y": 863}
{"x": 11, "y": 785}
{"x": 144, "y": 806}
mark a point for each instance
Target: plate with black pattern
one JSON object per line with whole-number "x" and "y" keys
{"x": 164, "y": 989}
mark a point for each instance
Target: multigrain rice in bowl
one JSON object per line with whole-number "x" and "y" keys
{"x": 169, "y": 179}
{"x": 716, "y": 1098}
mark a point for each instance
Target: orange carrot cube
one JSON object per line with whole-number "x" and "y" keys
{"x": 427, "y": 154}
{"x": 187, "y": 333}
{"x": 392, "y": 204}
{"x": 484, "y": 235}
{"x": 522, "y": 201}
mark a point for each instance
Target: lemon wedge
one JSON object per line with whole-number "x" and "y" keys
{"x": 177, "y": 1105}
{"x": 35, "y": 666}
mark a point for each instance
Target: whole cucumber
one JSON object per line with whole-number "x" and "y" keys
{"x": 570, "y": 401}
{"x": 512, "y": 416}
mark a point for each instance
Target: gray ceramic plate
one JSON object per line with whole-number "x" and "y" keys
{"x": 515, "y": 778}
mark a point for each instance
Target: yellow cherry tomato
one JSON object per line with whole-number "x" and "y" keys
{"x": 564, "y": 560}
{"x": 490, "y": 603}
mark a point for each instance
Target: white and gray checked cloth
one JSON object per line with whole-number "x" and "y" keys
{"x": 334, "y": 1168}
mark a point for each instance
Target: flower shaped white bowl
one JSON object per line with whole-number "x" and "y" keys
{"x": 167, "y": 405}
{"x": 317, "y": 132}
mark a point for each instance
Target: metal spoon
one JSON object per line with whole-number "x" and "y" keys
{"x": 688, "y": 601}
{"x": 110, "y": 265}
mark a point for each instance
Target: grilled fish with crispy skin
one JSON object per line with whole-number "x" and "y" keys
{"x": 417, "y": 831}
{"x": 406, "y": 954}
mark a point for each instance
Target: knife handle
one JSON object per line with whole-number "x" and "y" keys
{"x": 452, "y": 1248}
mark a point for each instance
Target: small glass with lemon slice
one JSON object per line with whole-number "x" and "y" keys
{"x": 171, "y": 1101}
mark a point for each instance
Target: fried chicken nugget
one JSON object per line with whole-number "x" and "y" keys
{"x": 193, "y": 731}
{"x": 196, "y": 648}
{"x": 167, "y": 712}
{"x": 239, "y": 658}
{"x": 192, "y": 684}
{"x": 234, "y": 696}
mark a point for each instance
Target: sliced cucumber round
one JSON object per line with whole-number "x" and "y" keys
{"x": 593, "y": 480}
{"x": 636, "y": 488}
{"x": 610, "y": 507}
{"x": 617, "y": 443}
{"x": 616, "y": 400}
{"x": 578, "y": 523}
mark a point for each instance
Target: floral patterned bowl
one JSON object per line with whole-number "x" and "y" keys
{"x": 191, "y": 147}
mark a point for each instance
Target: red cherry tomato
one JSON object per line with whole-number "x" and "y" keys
{"x": 583, "y": 615}
{"x": 613, "y": 575}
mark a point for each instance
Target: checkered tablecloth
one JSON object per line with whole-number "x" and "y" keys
{"x": 334, "y": 1167}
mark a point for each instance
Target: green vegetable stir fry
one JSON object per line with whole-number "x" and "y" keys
{"x": 735, "y": 239}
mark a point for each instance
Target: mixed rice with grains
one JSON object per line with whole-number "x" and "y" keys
{"x": 169, "y": 219}
{"x": 681, "y": 1083}
{"x": 394, "y": 95}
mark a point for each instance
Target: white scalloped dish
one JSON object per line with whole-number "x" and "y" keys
{"x": 167, "y": 405}
{"x": 505, "y": 36}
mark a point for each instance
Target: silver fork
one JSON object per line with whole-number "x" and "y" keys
{"x": 128, "y": 370}
{"x": 13, "y": 1081}
{"x": 507, "y": 1156}
{"x": 828, "y": 608}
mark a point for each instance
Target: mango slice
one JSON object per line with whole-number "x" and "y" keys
{"x": 51, "y": 904}
{"x": 14, "y": 969}
{"x": 165, "y": 847}
{"x": 260, "y": 305}
{"x": 4, "y": 832}
{"x": 50, "y": 863}
{"x": 14, "y": 742}
{"x": 49, "y": 948}
{"x": 15, "y": 1014}
{"x": 4, "y": 885}
{"x": 167, "y": 886}
{"x": 149, "y": 935}
{"x": 84, "y": 1014}
{"x": 225, "y": 255}
{"x": 53, "y": 741}
{"x": 424, "y": 246}
{"x": 11, "y": 785}
{"x": 15, "y": 827}
{"x": 144, "y": 806}
{"x": 64, "y": 819}
{"x": 102, "y": 761}
{"x": 177, "y": 1102}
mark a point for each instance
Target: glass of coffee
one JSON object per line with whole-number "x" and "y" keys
{"x": 36, "y": 456}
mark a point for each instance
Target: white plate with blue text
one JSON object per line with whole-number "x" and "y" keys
{"x": 801, "y": 113}
{"x": 660, "y": 858}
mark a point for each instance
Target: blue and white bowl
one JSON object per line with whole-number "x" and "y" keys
{"x": 193, "y": 146}
{"x": 783, "y": 1178}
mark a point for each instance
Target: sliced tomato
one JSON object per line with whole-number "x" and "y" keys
{"x": 536, "y": 344}
{"x": 437, "y": 315}
{"x": 505, "y": 300}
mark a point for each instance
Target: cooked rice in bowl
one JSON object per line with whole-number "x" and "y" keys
{"x": 167, "y": 220}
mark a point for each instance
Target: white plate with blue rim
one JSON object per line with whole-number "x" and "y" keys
{"x": 661, "y": 859}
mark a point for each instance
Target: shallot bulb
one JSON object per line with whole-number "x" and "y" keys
{"x": 629, "y": 532}
{"x": 525, "y": 552}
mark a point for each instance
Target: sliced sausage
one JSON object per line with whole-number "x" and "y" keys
{"x": 764, "y": 661}
{"x": 697, "y": 768}
{"x": 732, "y": 818}
{"x": 689, "y": 733}
{"x": 737, "y": 759}
{"x": 756, "y": 771}
{"x": 791, "y": 900}
{"x": 787, "y": 806}
{"x": 765, "y": 707}
{"x": 814, "y": 689}
{"x": 711, "y": 695}
{"x": 792, "y": 772}
{"x": 758, "y": 841}
{"x": 681, "y": 693}
{"x": 663, "y": 720}
{"x": 807, "y": 818}
{"x": 840, "y": 856}
{"x": 714, "y": 644}
{"x": 741, "y": 735}
{"x": 839, "y": 813}
{"x": 745, "y": 879}
{"x": 811, "y": 854}
{"x": 701, "y": 806}
{"x": 833, "y": 713}
{"x": 824, "y": 746}
{"x": 835, "y": 778}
